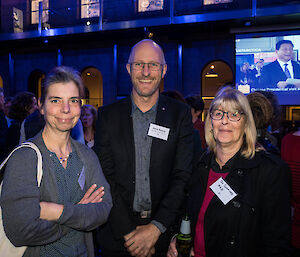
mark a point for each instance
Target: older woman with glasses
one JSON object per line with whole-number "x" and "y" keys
{"x": 239, "y": 194}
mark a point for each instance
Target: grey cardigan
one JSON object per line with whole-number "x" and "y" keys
{"x": 21, "y": 196}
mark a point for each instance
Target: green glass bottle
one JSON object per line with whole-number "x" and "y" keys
{"x": 184, "y": 239}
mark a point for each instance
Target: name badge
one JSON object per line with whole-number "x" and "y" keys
{"x": 158, "y": 131}
{"x": 223, "y": 191}
{"x": 81, "y": 179}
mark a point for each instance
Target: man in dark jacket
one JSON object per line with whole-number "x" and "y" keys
{"x": 145, "y": 146}
{"x": 282, "y": 72}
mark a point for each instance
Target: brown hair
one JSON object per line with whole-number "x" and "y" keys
{"x": 262, "y": 110}
{"x": 21, "y": 105}
{"x": 93, "y": 111}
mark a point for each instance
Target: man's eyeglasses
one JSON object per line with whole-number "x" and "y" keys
{"x": 152, "y": 66}
{"x": 232, "y": 116}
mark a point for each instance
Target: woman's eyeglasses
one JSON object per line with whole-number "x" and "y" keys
{"x": 232, "y": 116}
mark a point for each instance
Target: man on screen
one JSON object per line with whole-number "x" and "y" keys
{"x": 284, "y": 72}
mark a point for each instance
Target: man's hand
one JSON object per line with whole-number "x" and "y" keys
{"x": 282, "y": 84}
{"x": 141, "y": 241}
{"x": 92, "y": 196}
{"x": 152, "y": 251}
{"x": 50, "y": 211}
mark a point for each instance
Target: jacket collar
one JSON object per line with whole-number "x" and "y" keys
{"x": 240, "y": 162}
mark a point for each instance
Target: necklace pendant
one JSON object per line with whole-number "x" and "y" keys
{"x": 62, "y": 160}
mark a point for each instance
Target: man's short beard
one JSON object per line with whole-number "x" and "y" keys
{"x": 141, "y": 93}
{"x": 145, "y": 95}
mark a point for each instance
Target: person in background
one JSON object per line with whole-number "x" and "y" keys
{"x": 145, "y": 146}
{"x": 290, "y": 153}
{"x": 88, "y": 119}
{"x": 257, "y": 70}
{"x": 56, "y": 219}
{"x": 32, "y": 125}
{"x": 245, "y": 75}
{"x": 197, "y": 107}
{"x": 275, "y": 126}
{"x": 259, "y": 67}
{"x": 196, "y": 136}
{"x": 3, "y": 126}
{"x": 22, "y": 105}
{"x": 239, "y": 195}
{"x": 282, "y": 72}
{"x": 6, "y": 109}
{"x": 2, "y": 99}
{"x": 262, "y": 111}
{"x": 174, "y": 94}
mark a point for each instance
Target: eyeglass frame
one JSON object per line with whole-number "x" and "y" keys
{"x": 239, "y": 112}
{"x": 146, "y": 63}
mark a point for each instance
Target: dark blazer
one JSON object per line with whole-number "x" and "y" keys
{"x": 257, "y": 222}
{"x": 170, "y": 163}
{"x": 273, "y": 73}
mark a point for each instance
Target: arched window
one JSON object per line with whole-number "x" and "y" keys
{"x": 93, "y": 81}
{"x": 214, "y": 75}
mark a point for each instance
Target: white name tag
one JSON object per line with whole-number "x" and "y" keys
{"x": 158, "y": 131}
{"x": 223, "y": 190}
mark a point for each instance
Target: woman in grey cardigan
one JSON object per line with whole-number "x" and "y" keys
{"x": 56, "y": 219}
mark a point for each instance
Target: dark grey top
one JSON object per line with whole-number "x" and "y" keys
{"x": 21, "y": 196}
{"x": 71, "y": 244}
{"x": 142, "y": 142}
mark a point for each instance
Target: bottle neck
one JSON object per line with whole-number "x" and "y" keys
{"x": 185, "y": 227}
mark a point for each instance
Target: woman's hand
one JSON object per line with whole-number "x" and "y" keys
{"x": 92, "y": 196}
{"x": 50, "y": 211}
{"x": 172, "y": 251}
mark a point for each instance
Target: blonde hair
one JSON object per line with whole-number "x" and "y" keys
{"x": 233, "y": 100}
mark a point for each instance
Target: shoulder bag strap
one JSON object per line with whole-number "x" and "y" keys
{"x": 39, "y": 156}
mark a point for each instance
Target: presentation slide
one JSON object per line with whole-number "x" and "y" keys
{"x": 269, "y": 61}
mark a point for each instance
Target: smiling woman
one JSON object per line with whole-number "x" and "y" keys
{"x": 237, "y": 189}
{"x": 71, "y": 200}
